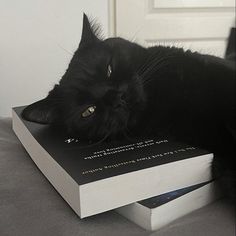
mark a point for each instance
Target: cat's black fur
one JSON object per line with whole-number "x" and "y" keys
{"x": 155, "y": 91}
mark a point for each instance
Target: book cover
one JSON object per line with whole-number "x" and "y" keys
{"x": 159, "y": 211}
{"x": 97, "y": 178}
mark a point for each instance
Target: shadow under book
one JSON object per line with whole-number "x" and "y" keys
{"x": 159, "y": 211}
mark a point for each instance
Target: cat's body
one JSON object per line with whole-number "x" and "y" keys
{"x": 191, "y": 97}
{"x": 196, "y": 100}
{"x": 115, "y": 87}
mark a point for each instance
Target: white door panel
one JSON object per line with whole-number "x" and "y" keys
{"x": 201, "y": 25}
{"x": 192, "y": 3}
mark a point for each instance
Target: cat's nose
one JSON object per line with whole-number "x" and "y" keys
{"x": 121, "y": 96}
{"x": 116, "y": 99}
{"x": 119, "y": 101}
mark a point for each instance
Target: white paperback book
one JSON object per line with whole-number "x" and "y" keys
{"x": 157, "y": 212}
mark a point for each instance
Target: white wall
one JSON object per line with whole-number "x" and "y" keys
{"x": 37, "y": 40}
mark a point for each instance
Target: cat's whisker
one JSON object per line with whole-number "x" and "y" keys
{"x": 154, "y": 62}
{"x": 147, "y": 75}
{"x": 64, "y": 49}
{"x": 154, "y": 66}
{"x": 150, "y": 59}
{"x": 146, "y": 64}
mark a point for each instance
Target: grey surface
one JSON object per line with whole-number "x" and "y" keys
{"x": 30, "y": 206}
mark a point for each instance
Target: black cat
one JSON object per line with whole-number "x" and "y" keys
{"x": 114, "y": 87}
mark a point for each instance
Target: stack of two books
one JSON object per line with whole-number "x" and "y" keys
{"x": 151, "y": 182}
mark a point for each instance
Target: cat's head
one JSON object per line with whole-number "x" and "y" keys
{"x": 100, "y": 94}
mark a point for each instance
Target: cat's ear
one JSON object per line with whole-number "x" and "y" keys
{"x": 44, "y": 111}
{"x": 90, "y": 32}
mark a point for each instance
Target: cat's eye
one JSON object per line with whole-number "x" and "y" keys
{"x": 89, "y": 111}
{"x": 109, "y": 71}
